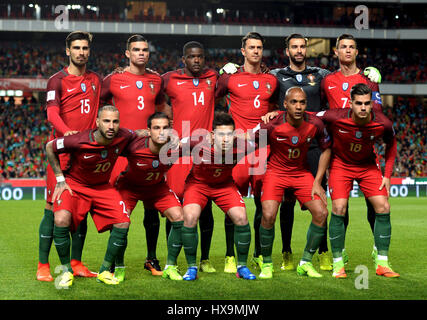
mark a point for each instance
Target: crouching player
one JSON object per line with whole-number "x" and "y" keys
{"x": 144, "y": 179}
{"x": 289, "y": 135}
{"x": 211, "y": 179}
{"x": 84, "y": 188}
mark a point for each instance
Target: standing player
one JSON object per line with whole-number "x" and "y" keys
{"x": 211, "y": 179}
{"x": 72, "y": 104}
{"x": 85, "y": 188}
{"x": 137, "y": 94}
{"x": 354, "y": 133}
{"x": 337, "y": 86}
{"x": 289, "y": 136}
{"x": 144, "y": 180}
{"x": 298, "y": 74}
{"x": 250, "y": 94}
{"x": 191, "y": 91}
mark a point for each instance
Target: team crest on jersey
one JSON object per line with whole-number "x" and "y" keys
{"x": 299, "y": 77}
{"x": 139, "y": 84}
{"x": 83, "y": 86}
{"x": 268, "y": 86}
{"x": 358, "y": 134}
{"x": 345, "y": 86}
{"x": 151, "y": 85}
{"x": 256, "y": 84}
{"x": 294, "y": 139}
{"x": 104, "y": 154}
{"x": 311, "y": 78}
{"x": 209, "y": 83}
{"x": 155, "y": 163}
{"x": 196, "y": 82}
{"x": 308, "y": 139}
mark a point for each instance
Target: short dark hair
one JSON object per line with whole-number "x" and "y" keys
{"x": 190, "y": 45}
{"x": 222, "y": 119}
{"x": 135, "y": 38}
{"x": 252, "y": 35}
{"x": 78, "y": 35}
{"x": 294, "y": 36}
{"x": 345, "y": 36}
{"x": 107, "y": 107}
{"x": 360, "y": 89}
{"x": 157, "y": 115}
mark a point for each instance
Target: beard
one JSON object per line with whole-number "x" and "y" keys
{"x": 79, "y": 63}
{"x": 296, "y": 62}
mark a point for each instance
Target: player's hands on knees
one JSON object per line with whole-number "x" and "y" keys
{"x": 70, "y": 133}
{"x": 373, "y": 74}
{"x": 59, "y": 189}
{"x": 385, "y": 183}
{"x": 318, "y": 189}
{"x": 269, "y": 116}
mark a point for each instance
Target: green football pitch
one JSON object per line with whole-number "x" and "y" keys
{"x": 19, "y": 256}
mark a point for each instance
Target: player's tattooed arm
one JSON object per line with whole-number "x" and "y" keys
{"x": 53, "y": 159}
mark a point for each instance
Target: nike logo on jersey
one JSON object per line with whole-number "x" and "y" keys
{"x": 242, "y": 84}
{"x": 88, "y": 157}
{"x": 342, "y": 131}
{"x": 180, "y": 82}
{"x": 141, "y": 164}
{"x": 329, "y": 87}
{"x": 286, "y": 79}
{"x": 69, "y": 90}
{"x": 122, "y": 87}
{"x": 281, "y": 139}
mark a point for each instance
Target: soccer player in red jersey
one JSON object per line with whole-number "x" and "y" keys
{"x": 354, "y": 132}
{"x": 191, "y": 93}
{"x": 337, "y": 86}
{"x": 72, "y": 104}
{"x": 250, "y": 94}
{"x": 289, "y": 136}
{"x": 137, "y": 93}
{"x": 144, "y": 180}
{"x": 85, "y": 188}
{"x": 211, "y": 179}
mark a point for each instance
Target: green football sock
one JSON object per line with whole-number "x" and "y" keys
{"x": 229, "y": 237}
{"x": 242, "y": 239}
{"x": 257, "y": 224}
{"x": 315, "y": 235}
{"x": 382, "y": 233}
{"x": 189, "y": 241}
{"x": 117, "y": 243}
{"x": 152, "y": 226}
{"x": 45, "y": 236}
{"x": 61, "y": 239}
{"x": 174, "y": 242}
{"x": 206, "y": 224}
{"x": 78, "y": 240}
{"x": 336, "y": 234}
{"x": 266, "y": 237}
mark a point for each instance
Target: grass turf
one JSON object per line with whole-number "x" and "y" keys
{"x": 19, "y": 255}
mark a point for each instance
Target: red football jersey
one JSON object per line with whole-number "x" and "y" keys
{"x": 135, "y": 96}
{"x": 354, "y": 144}
{"x": 144, "y": 167}
{"x": 249, "y": 96}
{"x": 213, "y": 168}
{"x": 192, "y": 100}
{"x": 92, "y": 163}
{"x": 289, "y": 145}
{"x": 337, "y": 88}
{"x": 77, "y": 98}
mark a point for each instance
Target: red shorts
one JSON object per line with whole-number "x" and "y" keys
{"x": 119, "y": 167}
{"x": 250, "y": 171}
{"x": 275, "y": 183}
{"x": 368, "y": 177}
{"x": 177, "y": 175}
{"x": 226, "y": 196}
{"x": 158, "y": 196}
{"x": 103, "y": 202}
{"x": 50, "y": 176}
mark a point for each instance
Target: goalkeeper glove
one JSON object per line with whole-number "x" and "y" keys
{"x": 229, "y": 68}
{"x": 373, "y": 74}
